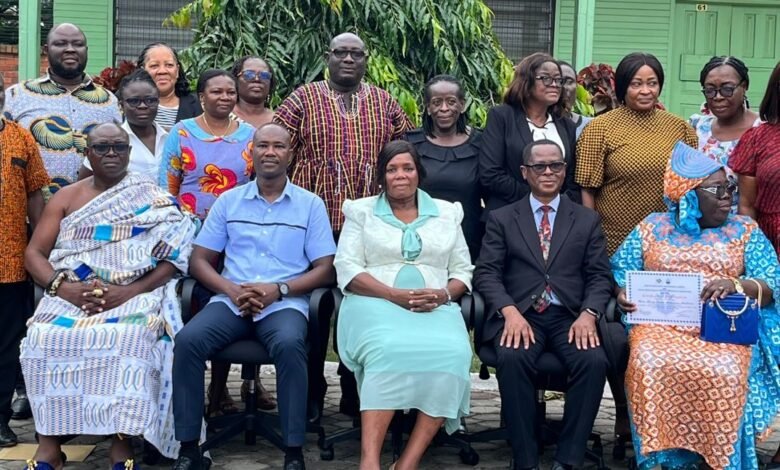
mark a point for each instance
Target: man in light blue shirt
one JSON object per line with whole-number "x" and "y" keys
{"x": 278, "y": 246}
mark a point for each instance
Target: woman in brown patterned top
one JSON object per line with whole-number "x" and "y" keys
{"x": 621, "y": 159}
{"x": 622, "y": 155}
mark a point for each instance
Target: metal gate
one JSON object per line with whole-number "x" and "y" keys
{"x": 139, "y": 22}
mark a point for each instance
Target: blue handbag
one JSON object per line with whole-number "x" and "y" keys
{"x": 732, "y": 320}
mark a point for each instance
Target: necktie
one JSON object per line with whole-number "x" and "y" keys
{"x": 545, "y": 235}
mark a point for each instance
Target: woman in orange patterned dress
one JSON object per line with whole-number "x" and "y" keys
{"x": 692, "y": 400}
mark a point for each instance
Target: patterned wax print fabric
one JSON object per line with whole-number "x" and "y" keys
{"x": 621, "y": 156}
{"x": 21, "y": 173}
{"x": 59, "y": 121}
{"x": 197, "y": 167}
{"x": 110, "y": 373}
{"x": 335, "y": 147}
{"x": 687, "y": 396}
{"x": 758, "y": 155}
{"x": 719, "y": 150}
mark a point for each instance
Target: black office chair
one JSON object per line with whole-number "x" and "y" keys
{"x": 401, "y": 423}
{"x": 551, "y": 376}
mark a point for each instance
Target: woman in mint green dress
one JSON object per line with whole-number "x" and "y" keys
{"x": 402, "y": 262}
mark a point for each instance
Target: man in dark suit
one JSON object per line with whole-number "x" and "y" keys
{"x": 546, "y": 289}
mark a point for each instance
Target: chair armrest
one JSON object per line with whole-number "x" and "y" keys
{"x": 478, "y": 319}
{"x": 467, "y": 310}
{"x": 338, "y": 296}
{"x": 186, "y": 293}
{"x": 37, "y": 295}
{"x": 613, "y": 313}
{"x": 320, "y": 311}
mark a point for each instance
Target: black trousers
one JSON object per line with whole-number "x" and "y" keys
{"x": 15, "y": 308}
{"x": 516, "y": 371}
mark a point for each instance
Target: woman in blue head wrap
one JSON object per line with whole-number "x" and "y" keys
{"x": 694, "y": 402}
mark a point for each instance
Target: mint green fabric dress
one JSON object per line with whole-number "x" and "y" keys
{"x": 403, "y": 359}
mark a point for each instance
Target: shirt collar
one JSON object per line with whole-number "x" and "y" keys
{"x": 536, "y": 204}
{"x": 426, "y": 206}
{"x": 161, "y": 133}
{"x": 86, "y": 83}
{"x": 253, "y": 191}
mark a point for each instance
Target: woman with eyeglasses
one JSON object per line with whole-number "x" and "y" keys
{"x": 139, "y": 99}
{"x": 255, "y": 87}
{"x": 756, "y": 160}
{"x": 532, "y": 110}
{"x": 176, "y": 102}
{"x": 724, "y": 82}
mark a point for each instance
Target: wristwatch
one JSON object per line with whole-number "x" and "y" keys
{"x": 284, "y": 289}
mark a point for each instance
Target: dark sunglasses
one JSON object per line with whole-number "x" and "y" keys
{"x": 548, "y": 80}
{"x": 103, "y": 149}
{"x": 343, "y": 53}
{"x": 726, "y": 91}
{"x": 540, "y": 168}
{"x": 720, "y": 191}
{"x": 249, "y": 75}
{"x": 148, "y": 101}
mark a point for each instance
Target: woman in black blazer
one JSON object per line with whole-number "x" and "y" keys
{"x": 532, "y": 110}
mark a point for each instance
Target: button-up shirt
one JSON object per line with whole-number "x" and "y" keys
{"x": 60, "y": 120}
{"x": 547, "y": 132}
{"x": 21, "y": 173}
{"x": 268, "y": 241}
{"x": 536, "y": 208}
{"x": 142, "y": 160}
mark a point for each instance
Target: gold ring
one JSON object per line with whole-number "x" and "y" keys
{"x": 98, "y": 292}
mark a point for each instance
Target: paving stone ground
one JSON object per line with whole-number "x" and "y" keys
{"x": 485, "y": 405}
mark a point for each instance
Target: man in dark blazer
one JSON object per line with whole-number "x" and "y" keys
{"x": 546, "y": 279}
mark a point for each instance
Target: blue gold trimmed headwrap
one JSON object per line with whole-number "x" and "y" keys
{"x": 686, "y": 170}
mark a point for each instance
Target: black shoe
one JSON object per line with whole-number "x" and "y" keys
{"x": 21, "y": 408}
{"x": 7, "y": 437}
{"x": 185, "y": 462}
{"x": 560, "y": 466}
{"x": 294, "y": 463}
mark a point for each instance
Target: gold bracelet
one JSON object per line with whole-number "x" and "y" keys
{"x": 738, "y": 285}
{"x": 56, "y": 283}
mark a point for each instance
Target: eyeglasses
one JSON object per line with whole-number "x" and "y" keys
{"x": 103, "y": 149}
{"x": 343, "y": 53}
{"x": 726, "y": 91}
{"x": 540, "y": 168}
{"x": 568, "y": 81}
{"x": 249, "y": 75}
{"x": 136, "y": 102}
{"x": 548, "y": 80}
{"x": 720, "y": 191}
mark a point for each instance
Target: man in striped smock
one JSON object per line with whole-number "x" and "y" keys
{"x": 338, "y": 126}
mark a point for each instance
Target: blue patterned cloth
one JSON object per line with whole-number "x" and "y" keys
{"x": 657, "y": 244}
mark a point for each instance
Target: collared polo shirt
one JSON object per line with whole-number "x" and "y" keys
{"x": 60, "y": 120}
{"x": 268, "y": 242}
{"x": 143, "y": 161}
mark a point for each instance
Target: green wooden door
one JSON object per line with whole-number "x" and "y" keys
{"x": 755, "y": 38}
{"x": 750, "y": 33}
{"x": 698, "y": 35}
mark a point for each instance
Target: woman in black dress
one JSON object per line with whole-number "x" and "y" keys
{"x": 448, "y": 148}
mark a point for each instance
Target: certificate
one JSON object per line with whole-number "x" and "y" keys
{"x": 665, "y": 298}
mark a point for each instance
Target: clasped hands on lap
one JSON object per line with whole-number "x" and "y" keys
{"x": 518, "y": 331}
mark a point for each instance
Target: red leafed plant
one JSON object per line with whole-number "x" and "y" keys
{"x": 599, "y": 81}
{"x": 110, "y": 77}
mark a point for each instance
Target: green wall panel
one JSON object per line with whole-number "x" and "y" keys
{"x": 96, "y": 18}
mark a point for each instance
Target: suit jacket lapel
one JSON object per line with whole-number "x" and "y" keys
{"x": 526, "y": 222}
{"x": 564, "y": 221}
{"x": 522, "y": 126}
